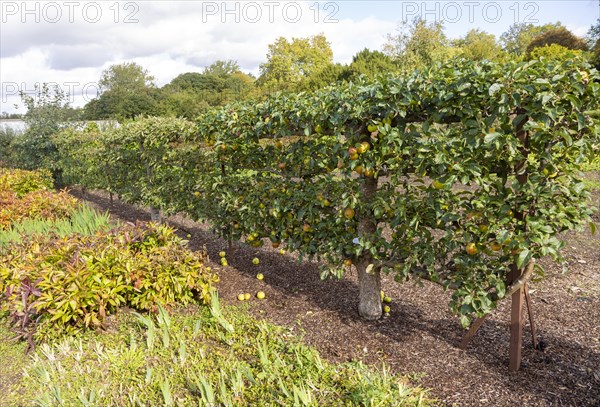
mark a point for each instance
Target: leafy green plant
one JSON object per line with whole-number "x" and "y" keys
{"x": 82, "y": 279}
{"x": 35, "y": 205}
{"x": 47, "y": 113}
{"x": 21, "y": 182}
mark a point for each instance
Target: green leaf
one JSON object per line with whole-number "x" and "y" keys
{"x": 465, "y": 321}
{"x": 546, "y": 98}
{"x": 523, "y": 258}
{"x": 491, "y": 137}
{"x": 495, "y": 88}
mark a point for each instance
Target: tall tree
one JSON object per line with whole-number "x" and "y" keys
{"x": 128, "y": 76}
{"x": 222, "y": 68}
{"x": 47, "y": 114}
{"x": 371, "y": 63}
{"x": 192, "y": 92}
{"x": 127, "y": 90}
{"x": 477, "y": 45}
{"x": 288, "y": 62}
{"x": 593, "y": 34}
{"x": 516, "y": 39}
{"x": 194, "y": 82}
{"x": 365, "y": 63}
{"x": 560, "y": 36}
{"x": 593, "y": 37}
{"x": 554, "y": 51}
{"x": 418, "y": 44}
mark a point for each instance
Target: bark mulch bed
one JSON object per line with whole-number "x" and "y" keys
{"x": 420, "y": 338}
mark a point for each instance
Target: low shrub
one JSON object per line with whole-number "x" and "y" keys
{"x": 48, "y": 205}
{"x": 22, "y": 182}
{"x": 56, "y": 285}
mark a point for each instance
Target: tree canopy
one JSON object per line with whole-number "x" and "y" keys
{"x": 128, "y": 76}
{"x": 48, "y": 112}
{"x": 288, "y": 62}
{"x": 418, "y": 44}
{"x": 371, "y": 63}
{"x": 127, "y": 90}
{"x": 593, "y": 37}
{"x": 300, "y": 64}
{"x": 478, "y": 45}
{"x": 560, "y": 36}
{"x": 191, "y": 93}
{"x": 516, "y": 39}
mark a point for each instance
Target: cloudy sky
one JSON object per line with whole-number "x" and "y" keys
{"x": 70, "y": 42}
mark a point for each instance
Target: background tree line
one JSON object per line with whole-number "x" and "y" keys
{"x": 300, "y": 64}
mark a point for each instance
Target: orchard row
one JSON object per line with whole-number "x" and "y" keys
{"x": 457, "y": 174}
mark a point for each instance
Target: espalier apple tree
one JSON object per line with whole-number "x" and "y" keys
{"x": 462, "y": 174}
{"x": 147, "y": 161}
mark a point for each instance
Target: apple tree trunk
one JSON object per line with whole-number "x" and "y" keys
{"x": 369, "y": 283}
{"x": 369, "y": 276}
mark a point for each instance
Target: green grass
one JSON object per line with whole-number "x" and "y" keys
{"x": 12, "y": 361}
{"x": 592, "y": 185}
{"x": 591, "y": 182}
{"x": 199, "y": 356}
{"x": 84, "y": 221}
{"x": 593, "y": 164}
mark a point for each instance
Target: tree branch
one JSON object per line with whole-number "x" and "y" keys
{"x": 522, "y": 280}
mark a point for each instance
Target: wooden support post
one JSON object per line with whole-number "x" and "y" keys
{"x": 516, "y": 331}
{"x": 471, "y": 333}
{"x": 530, "y": 313}
{"x": 520, "y": 298}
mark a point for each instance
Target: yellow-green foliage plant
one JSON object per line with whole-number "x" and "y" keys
{"x": 21, "y": 182}
{"x": 62, "y": 285}
{"x": 36, "y": 204}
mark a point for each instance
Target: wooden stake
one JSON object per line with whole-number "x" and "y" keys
{"x": 530, "y": 313}
{"x": 516, "y": 331}
{"x": 471, "y": 333}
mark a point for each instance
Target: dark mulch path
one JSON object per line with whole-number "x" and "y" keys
{"x": 421, "y": 336}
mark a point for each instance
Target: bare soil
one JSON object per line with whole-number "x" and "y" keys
{"x": 420, "y": 338}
